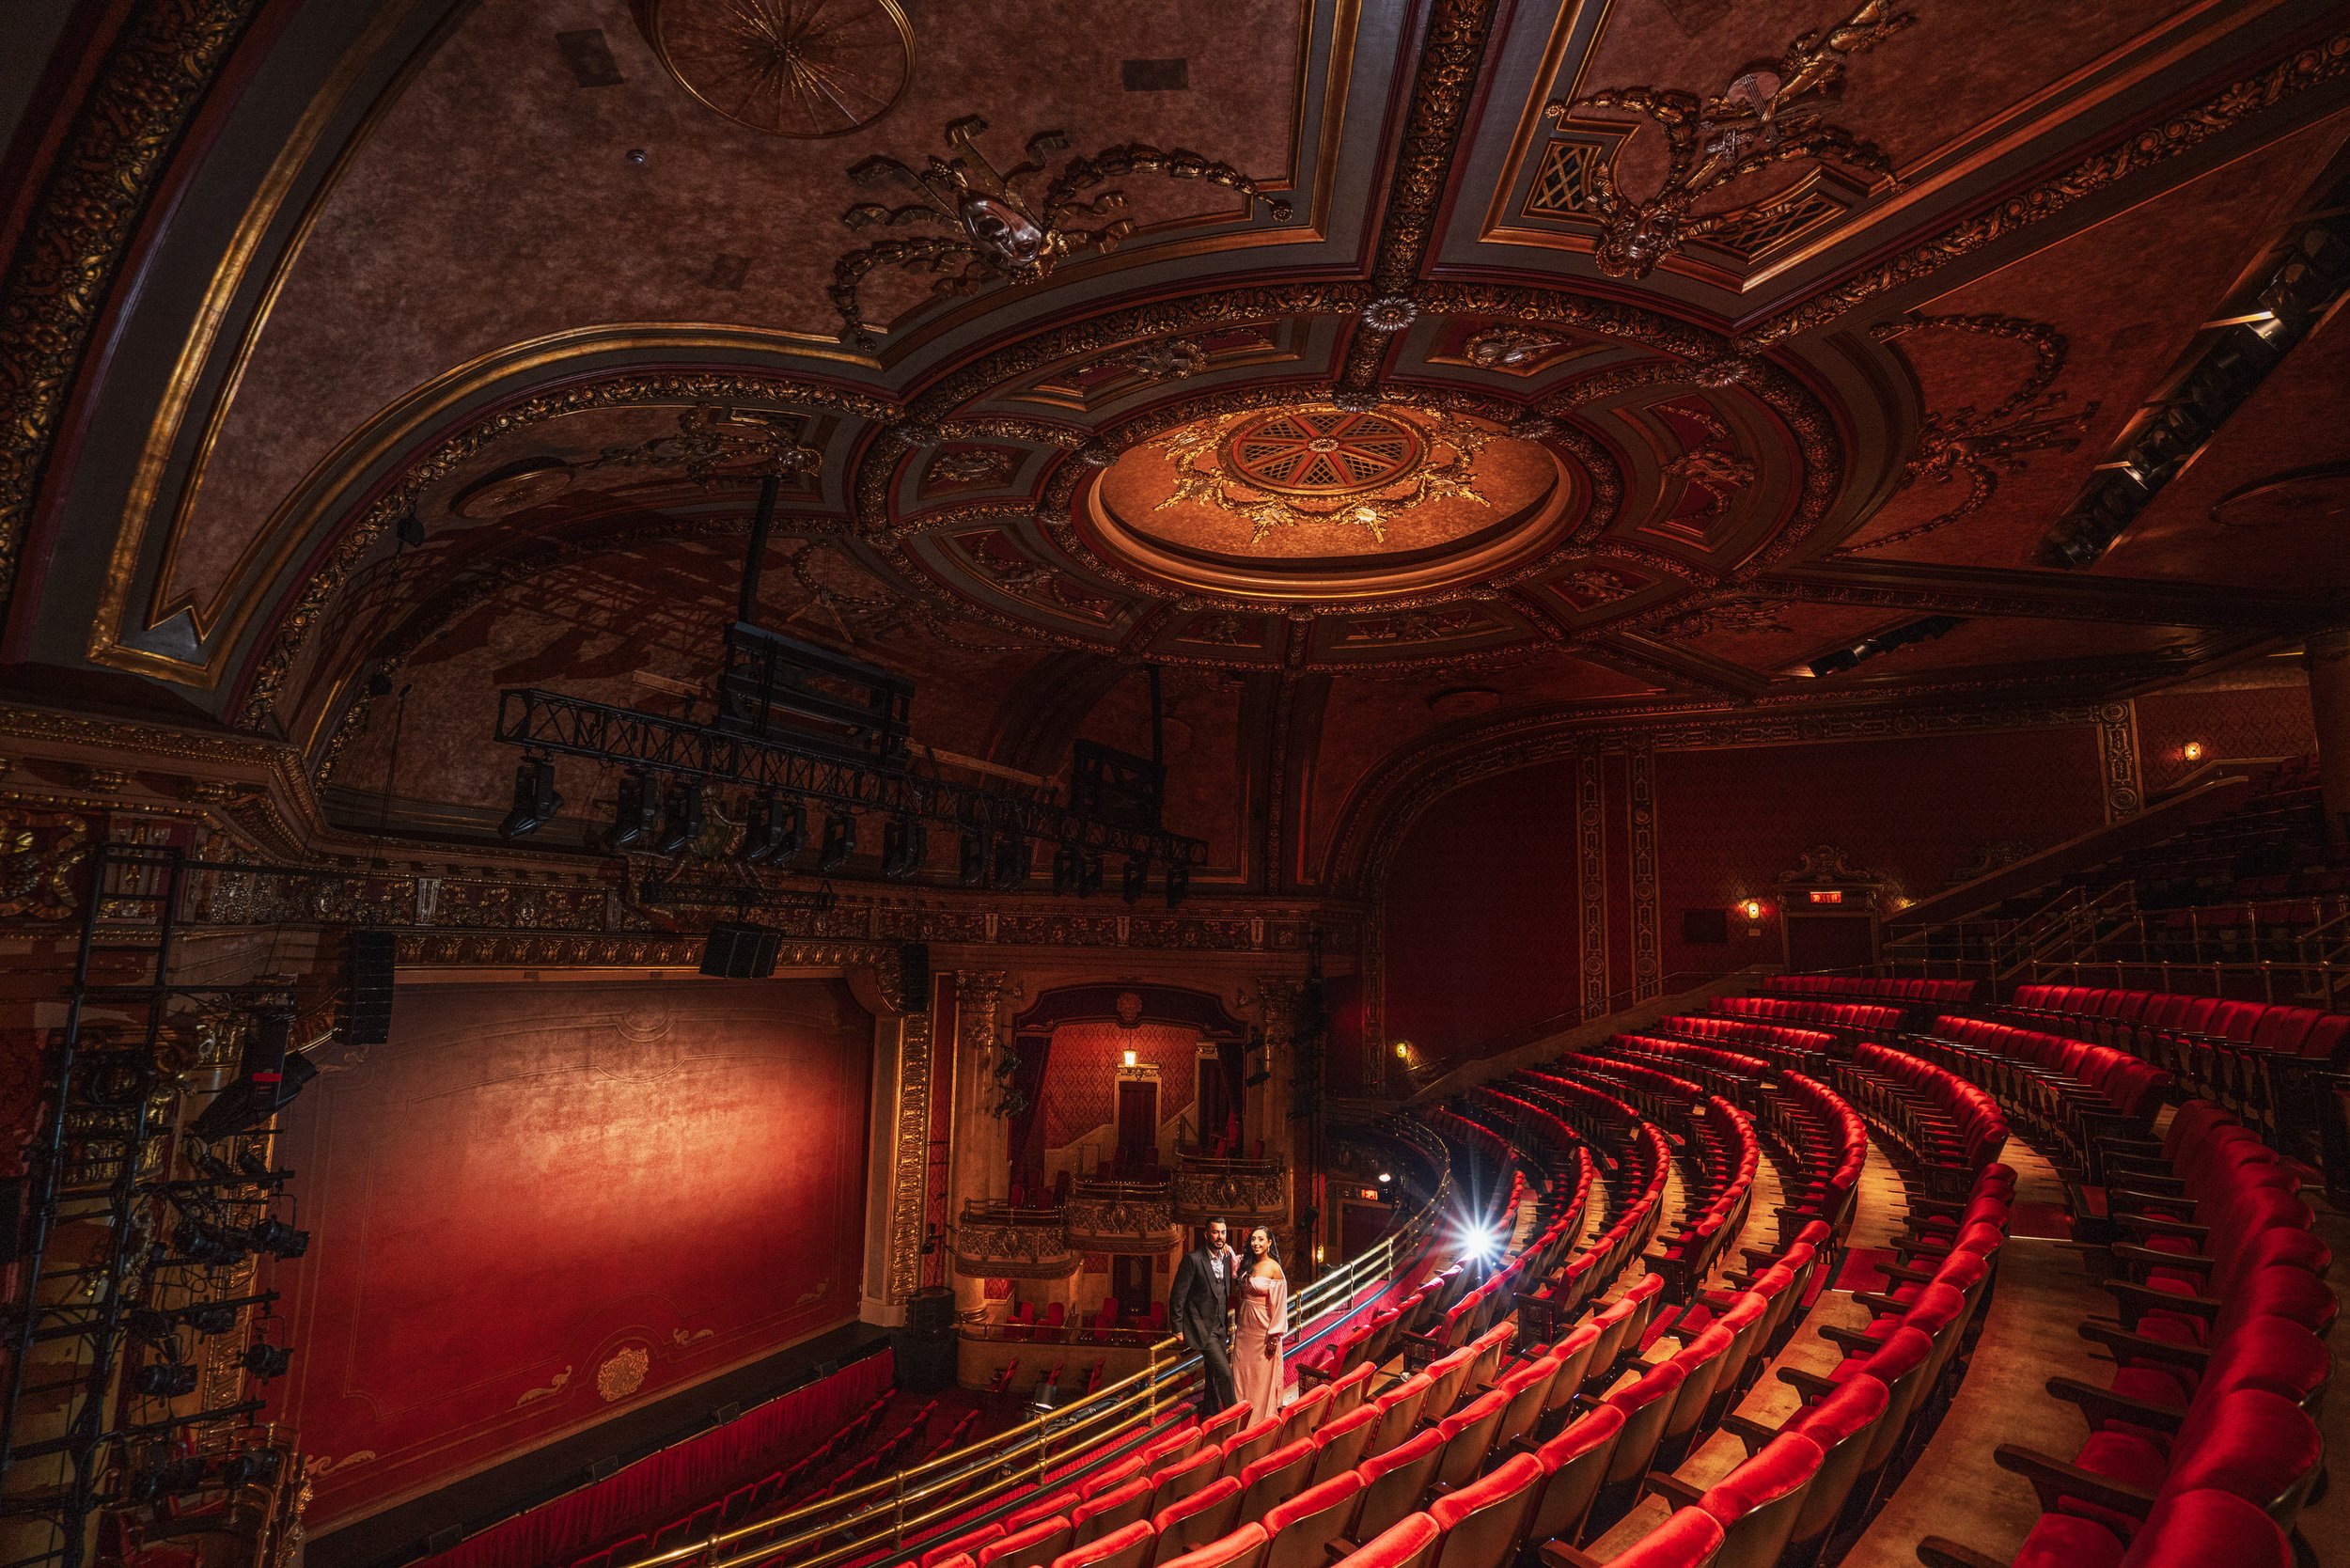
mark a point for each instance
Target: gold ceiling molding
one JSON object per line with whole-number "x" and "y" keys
{"x": 294, "y": 528}
{"x": 2182, "y": 132}
{"x": 156, "y": 75}
{"x": 697, "y": 386}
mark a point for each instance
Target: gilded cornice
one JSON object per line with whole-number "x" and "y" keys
{"x": 155, "y": 77}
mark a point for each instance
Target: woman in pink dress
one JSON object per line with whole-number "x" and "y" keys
{"x": 1264, "y": 1322}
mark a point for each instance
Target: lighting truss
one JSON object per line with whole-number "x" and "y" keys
{"x": 550, "y": 722}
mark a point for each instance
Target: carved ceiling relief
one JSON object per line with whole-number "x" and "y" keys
{"x": 1972, "y": 447}
{"x": 1771, "y": 112}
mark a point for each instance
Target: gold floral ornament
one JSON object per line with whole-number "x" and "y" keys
{"x": 623, "y": 1373}
{"x": 1323, "y": 463}
{"x": 1012, "y": 226}
{"x": 1770, "y": 113}
{"x": 40, "y": 854}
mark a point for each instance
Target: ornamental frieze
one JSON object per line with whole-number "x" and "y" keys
{"x": 1239, "y": 1192}
{"x": 1006, "y": 1245}
{"x": 1132, "y": 1223}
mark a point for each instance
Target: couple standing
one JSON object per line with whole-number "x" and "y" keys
{"x": 1213, "y": 1285}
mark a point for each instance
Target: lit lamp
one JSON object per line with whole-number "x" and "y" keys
{"x": 1752, "y": 910}
{"x": 2192, "y": 752}
{"x": 1130, "y": 1058}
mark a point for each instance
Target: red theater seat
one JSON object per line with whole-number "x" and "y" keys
{"x": 1032, "y": 1547}
{"x": 1303, "y": 1527}
{"x": 1128, "y": 1546}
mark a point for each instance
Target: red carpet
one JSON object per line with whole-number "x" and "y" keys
{"x": 2046, "y": 1220}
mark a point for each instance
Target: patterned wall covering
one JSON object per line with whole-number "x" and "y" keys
{"x": 1914, "y": 811}
{"x": 1081, "y": 1079}
{"x": 2259, "y": 721}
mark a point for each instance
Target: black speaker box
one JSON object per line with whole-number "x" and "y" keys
{"x": 367, "y": 988}
{"x": 931, "y": 1310}
{"x": 925, "y": 1362}
{"x": 913, "y": 975}
{"x": 734, "y": 951}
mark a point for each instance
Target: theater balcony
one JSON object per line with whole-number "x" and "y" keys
{"x": 1238, "y": 1192}
{"x": 997, "y": 1241}
{"x": 1131, "y": 1218}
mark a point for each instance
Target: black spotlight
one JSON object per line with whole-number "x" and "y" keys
{"x": 905, "y": 844}
{"x": 1068, "y": 870}
{"x": 1135, "y": 879}
{"x": 636, "y": 813}
{"x": 1010, "y": 868}
{"x": 840, "y": 841}
{"x": 201, "y": 1242}
{"x": 774, "y": 830}
{"x": 254, "y": 1468}
{"x": 278, "y": 1239}
{"x": 1090, "y": 876}
{"x": 165, "y": 1380}
{"x": 173, "y": 1478}
{"x": 681, "y": 818}
{"x": 268, "y": 1361}
{"x": 535, "y": 800}
{"x": 1178, "y": 883}
{"x": 971, "y": 857}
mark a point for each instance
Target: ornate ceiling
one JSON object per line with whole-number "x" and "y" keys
{"x": 1390, "y": 375}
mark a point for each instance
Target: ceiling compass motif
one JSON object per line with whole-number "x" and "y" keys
{"x": 805, "y": 69}
{"x": 1322, "y": 463}
{"x": 1007, "y": 224}
{"x": 1772, "y": 112}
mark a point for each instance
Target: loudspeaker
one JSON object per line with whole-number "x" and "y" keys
{"x": 735, "y": 951}
{"x": 913, "y": 975}
{"x": 367, "y": 988}
{"x": 12, "y": 1196}
{"x": 931, "y": 1310}
{"x": 925, "y": 1347}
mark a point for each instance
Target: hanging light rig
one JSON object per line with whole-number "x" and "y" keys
{"x": 803, "y": 731}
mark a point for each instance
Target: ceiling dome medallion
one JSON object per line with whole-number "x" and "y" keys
{"x": 1317, "y": 503}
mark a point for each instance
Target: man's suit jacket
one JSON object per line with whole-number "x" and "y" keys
{"x": 1197, "y": 1302}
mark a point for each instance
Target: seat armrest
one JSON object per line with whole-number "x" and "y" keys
{"x": 1753, "y": 1434}
{"x": 2100, "y": 1406}
{"x": 2128, "y": 1346}
{"x": 2055, "y": 1479}
{"x": 1680, "y": 1492}
{"x": 1557, "y": 1554}
{"x": 1804, "y": 1382}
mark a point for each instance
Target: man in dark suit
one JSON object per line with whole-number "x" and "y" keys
{"x": 1200, "y": 1301}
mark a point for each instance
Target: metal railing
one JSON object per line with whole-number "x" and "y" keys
{"x": 886, "y": 1514}
{"x": 1998, "y": 948}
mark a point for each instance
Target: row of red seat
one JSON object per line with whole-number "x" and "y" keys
{"x": 2070, "y": 1092}
{"x": 1951, "y": 1128}
{"x": 1849, "y": 1020}
{"x": 1784, "y": 1045}
{"x": 2201, "y": 1447}
{"x": 1867, "y": 988}
{"x": 1735, "y": 1075}
{"x": 1828, "y": 1143}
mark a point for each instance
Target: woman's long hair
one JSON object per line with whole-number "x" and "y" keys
{"x": 1272, "y": 1242}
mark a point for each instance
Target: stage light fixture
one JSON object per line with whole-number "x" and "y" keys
{"x": 254, "y": 1468}
{"x": 201, "y": 1242}
{"x": 266, "y": 1361}
{"x": 774, "y": 830}
{"x": 278, "y": 1239}
{"x": 905, "y": 844}
{"x": 1010, "y": 867}
{"x": 173, "y": 1478}
{"x": 535, "y": 800}
{"x": 971, "y": 857}
{"x": 1068, "y": 870}
{"x": 840, "y": 841}
{"x": 1133, "y": 880}
{"x": 165, "y": 1380}
{"x": 1178, "y": 883}
{"x": 1385, "y": 1177}
{"x": 682, "y": 818}
{"x": 636, "y": 812}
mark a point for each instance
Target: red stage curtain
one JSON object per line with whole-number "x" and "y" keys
{"x": 665, "y": 1488}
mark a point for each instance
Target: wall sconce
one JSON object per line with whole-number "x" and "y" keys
{"x": 1130, "y": 1058}
{"x": 1402, "y": 1050}
{"x": 2192, "y": 752}
{"x": 1751, "y": 908}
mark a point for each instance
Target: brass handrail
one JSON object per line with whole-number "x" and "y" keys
{"x": 1027, "y": 1451}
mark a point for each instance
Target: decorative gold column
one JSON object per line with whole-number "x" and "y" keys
{"x": 2328, "y": 656}
{"x": 909, "y": 1159}
{"x": 979, "y": 1174}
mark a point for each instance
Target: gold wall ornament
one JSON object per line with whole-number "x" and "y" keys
{"x": 1012, "y": 226}
{"x": 154, "y": 79}
{"x": 1976, "y": 446}
{"x": 804, "y": 69}
{"x": 39, "y": 853}
{"x": 623, "y": 1372}
{"x": 909, "y": 1156}
{"x": 1771, "y": 112}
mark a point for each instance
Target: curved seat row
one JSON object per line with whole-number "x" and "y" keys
{"x": 1735, "y": 1075}
{"x": 1788, "y": 1046}
{"x": 2071, "y": 1091}
{"x": 1849, "y": 1021}
{"x": 2218, "y": 1361}
{"x": 1869, "y": 988}
{"x": 1947, "y": 1125}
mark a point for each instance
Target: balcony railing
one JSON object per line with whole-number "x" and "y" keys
{"x": 1239, "y": 1192}
{"x": 997, "y": 1241}
{"x": 1127, "y": 1217}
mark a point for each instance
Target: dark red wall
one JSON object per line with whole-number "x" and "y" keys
{"x": 1481, "y": 912}
{"x": 532, "y": 1179}
{"x": 2251, "y": 721}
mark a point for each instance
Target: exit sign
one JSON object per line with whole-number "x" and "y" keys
{"x": 1828, "y": 895}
